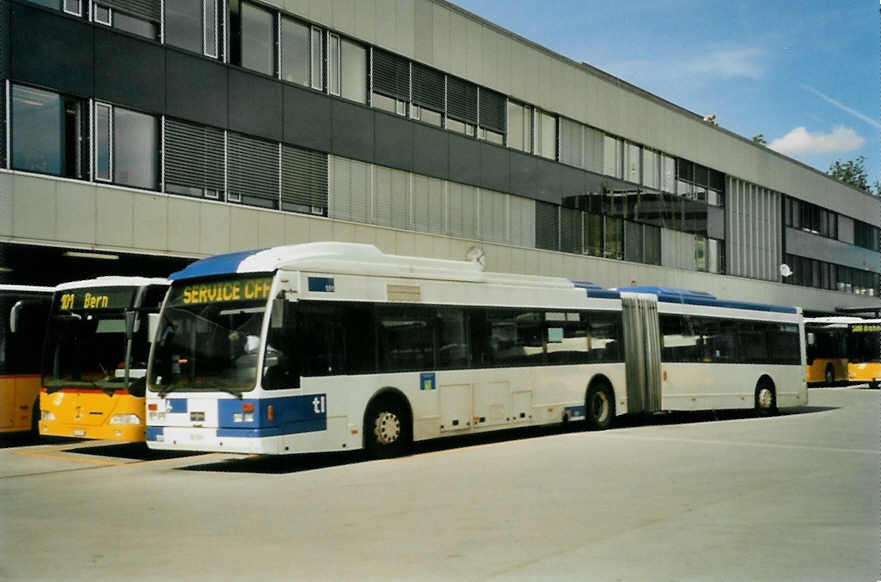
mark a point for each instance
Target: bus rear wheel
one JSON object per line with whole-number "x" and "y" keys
{"x": 387, "y": 428}
{"x": 599, "y": 409}
{"x": 766, "y": 399}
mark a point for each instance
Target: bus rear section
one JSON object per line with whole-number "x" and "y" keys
{"x": 864, "y": 353}
{"x": 23, "y": 313}
{"x": 95, "y": 359}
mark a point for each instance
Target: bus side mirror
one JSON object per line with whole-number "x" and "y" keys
{"x": 130, "y": 324}
{"x": 152, "y": 326}
{"x": 15, "y": 317}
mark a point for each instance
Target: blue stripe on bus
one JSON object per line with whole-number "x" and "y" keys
{"x": 153, "y": 432}
{"x": 175, "y": 405}
{"x": 290, "y": 415}
{"x": 684, "y": 296}
{"x": 226, "y": 264}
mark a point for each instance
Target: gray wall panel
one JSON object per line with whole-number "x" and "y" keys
{"x": 572, "y": 181}
{"x": 431, "y": 151}
{"x": 129, "y": 71}
{"x": 715, "y": 222}
{"x": 195, "y": 88}
{"x": 548, "y": 177}
{"x": 307, "y": 118}
{"x": 50, "y": 49}
{"x": 495, "y": 169}
{"x": 352, "y": 131}
{"x": 523, "y": 173}
{"x": 255, "y": 105}
{"x": 812, "y": 246}
{"x": 464, "y": 160}
{"x": 393, "y": 141}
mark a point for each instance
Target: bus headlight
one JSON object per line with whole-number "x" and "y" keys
{"x": 46, "y": 415}
{"x": 125, "y": 419}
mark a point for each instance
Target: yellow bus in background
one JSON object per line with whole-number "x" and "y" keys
{"x": 23, "y": 313}
{"x": 95, "y": 357}
{"x": 843, "y": 349}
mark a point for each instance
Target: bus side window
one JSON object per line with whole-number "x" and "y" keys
{"x": 281, "y": 361}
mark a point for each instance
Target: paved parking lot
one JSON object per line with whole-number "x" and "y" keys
{"x": 680, "y": 497}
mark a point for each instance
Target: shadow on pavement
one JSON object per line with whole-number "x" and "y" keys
{"x": 26, "y": 439}
{"x": 133, "y": 451}
{"x": 286, "y": 464}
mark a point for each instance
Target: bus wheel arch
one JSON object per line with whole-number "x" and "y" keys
{"x": 599, "y": 403}
{"x": 388, "y": 424}
{"x": 766, "y": 396}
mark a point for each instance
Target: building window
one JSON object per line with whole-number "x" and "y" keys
{"x": 140, "y": 18}
{"x": 70, "y": 6}
{"x": 333, "y": 64}
{"x": 194, "y": 160}
{"x": 492, "y": 115}
{"x": 613, "y": 239}
{"x": 317, "y": 66}
{"x": 295, "y": 51}
{"x": 632, "y": 162}
{"x": 252, "y": 37}
{"x": 253, "y": 171}
{"x": 303, "y": 181}
{"x": 126, "y": 147}
{"x": 865, "y": 235}
{"x": 613, "y": 156}
{"x": 545, "y": 134}
{"x": 353, "y": 71}
{"x": 48, "y": 133}
{"x": 193, "y": 25}
{"x": 547, "y": 226}
{"x": 519, "y": 126}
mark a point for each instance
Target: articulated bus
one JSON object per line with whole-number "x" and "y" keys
{"x": 843, "y": 349}
{"x": 23, "y": 313}
{"x": 337, "y": 346}
{"x": 95, "y": 357}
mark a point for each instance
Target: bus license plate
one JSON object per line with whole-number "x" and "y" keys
{"x": 79, "y": 432}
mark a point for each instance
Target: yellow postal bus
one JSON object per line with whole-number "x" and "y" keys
{"x": 23, "y": 312}
{"x": 843, "y": 349}
{"x": 96, "y": 357}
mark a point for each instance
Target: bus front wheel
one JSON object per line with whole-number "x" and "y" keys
{"x": 599, "y": 407}
{"x": 766, "y": 399}
{"x": 387, "y": 428}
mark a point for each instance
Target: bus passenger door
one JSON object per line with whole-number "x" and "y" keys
{"x": 642, "y": 351}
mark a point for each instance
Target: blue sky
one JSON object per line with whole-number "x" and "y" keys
{"x": 804, "y": 74}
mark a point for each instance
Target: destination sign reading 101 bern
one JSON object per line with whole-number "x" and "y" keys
{"x": 223, "y": 291}
{"x": 96, "y": 298}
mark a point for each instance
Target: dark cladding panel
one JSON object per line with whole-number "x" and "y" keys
{"x": 431, "y": 151}
{"x": 523, "y": 172}
{"x": 547, "y": 181}
{"x": 393, "y": 145}
{"x": 129, "y": 71}
{"x": 495, "y": 170}
{"x": 464, "y": 160}
{"x": 307, "y": 118}
{"x": 195, "y": 89}
{"x": 572, "y": 181}
{"x": 255, "y": 105}
{"x": 51, "y": 49}
{"x": 352, "y": 131}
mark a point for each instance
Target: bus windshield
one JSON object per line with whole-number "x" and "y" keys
{"x": 86, "y": 343}
{"x": 209, "y": 336}
{"x": 863, "y": 342}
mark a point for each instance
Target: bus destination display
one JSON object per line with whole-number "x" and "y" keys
{"x": 223, "y": 291}
{"x": 98, "y": 298}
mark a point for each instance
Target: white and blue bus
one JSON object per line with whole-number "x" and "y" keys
{"x": 337, "y": 346}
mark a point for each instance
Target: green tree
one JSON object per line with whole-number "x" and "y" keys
{"x": 851, "y": 172}
{"x": 760, "y": 139}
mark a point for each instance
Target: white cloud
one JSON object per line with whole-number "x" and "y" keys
{"x": 801, "y": 141}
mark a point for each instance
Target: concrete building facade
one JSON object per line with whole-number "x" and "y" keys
{"x": 140, "y": 134}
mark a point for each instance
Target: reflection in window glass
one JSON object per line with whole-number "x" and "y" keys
{"x": 102, "y": 142}
{"x": 353, "y": 69}
{"x": 257, "y": 39}
{"x": 612, "y": 156}
{"x": 37, "y": 131}
{"x": 294, "y": 51}
{"x": 134, "y": 25}
{"x": 135, "y": 149}
{"x": 519, "y": 125}
{"x": 614, "y": 238}
{"x": 317, "y": 60}
{"x": 604, "y": 337}
{"x": 183, "y": 24}
{"x": 545, "y": 135}
{"x": 333, "y": 59}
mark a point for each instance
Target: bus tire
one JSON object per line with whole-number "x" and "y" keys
{"x": 388, "y": 430}
{"x": 766, "y": 398}
{"x": 599, "y": 406}
{"x": 829, "y": 375}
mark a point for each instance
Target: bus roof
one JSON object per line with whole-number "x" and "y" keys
{"x": 112, "y": 281}
{"x": 838, "y": 320}
{"x": 688, "y": 297}
{"x": 26, "y": 288}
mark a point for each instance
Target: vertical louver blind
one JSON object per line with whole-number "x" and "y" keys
{"x": 462, "y": 100}
{"x": 428, "y": 87}
{"x": 193, "y": 156}
{"x": 570, "y": 230}
{"x": 391, "y": 75}
{"x": 146, "y": 9}
{"x": 253, "y": 170}
{"x": 492, "y": 110}
{"x": 303, "y": 178}
{"x": 546, "y": 226}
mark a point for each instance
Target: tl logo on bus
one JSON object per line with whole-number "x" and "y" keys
{"x": 319, "y": 405}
